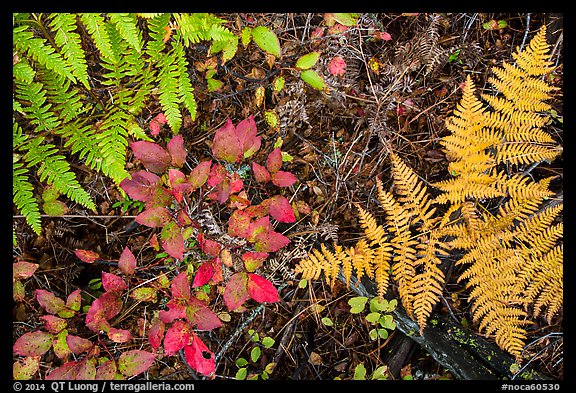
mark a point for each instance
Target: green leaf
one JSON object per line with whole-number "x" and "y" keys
{"x": 241, "y": 374}
{"x": 55, "y": 208}
{"x": 357, "y": 304}
{"x": 373, "y": 317}
{"x": 272, "y": 118}
{"x": 268, "y": 342}
{"x": 392, "y": 304}
{"x": 241, "y": 362}
{"x": 255, "y": 354}
{"x": 327, "y": 321}
{"x": 246, "y": 36}
{"x": 267, "y": 40}
{"x": 373, "y": 334}
{"x": 360, "y": 372}
{"x": 346, "y": 18}
{"x": 307, "y": 61}
{"x": 313, "y": 79}
{"x": 269, "y": 368}
{"x": 254, "y": 337}
{"x": 383, "y": 333}
{"x": 387, "y": 321}
{"x": 278, "y": 84}
{"x": 378, "y": 305}
{"x": 380, "y": 373}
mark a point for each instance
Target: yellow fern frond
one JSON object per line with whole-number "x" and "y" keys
{"x": 364, "y": 257}
{"x": 372, "y": 230}
{"x": 412, "y": 193}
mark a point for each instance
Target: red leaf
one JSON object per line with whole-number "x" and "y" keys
{"x": 49, "y": 302}
{"x": 179, "y": 184}
{"x": 119, "y": 335}
{"x": 270, "y": 241}
{"x": 199, "y": 174}
{"x": 382, "y": 35}
{"x": 253, "y": 260}
{"x": 156, "y": 333}
{"x": 337, "y": 66}
{"x": 258, "y": 211}
{"x": 198, "y": 314}
{"x": 236, "y": 184}
{"x": 154, "y": 217}
{"x": 235, "y": 293}
{"x": 86, "y": 256}
{"x": 74, "y": 300}
{"x": 226, "y": 144}
{"x": 246, "y": 132}
{"x": 134, "y": 362}
{"x": 283, "y": 179}
{"x": 54, "y": 324}
{"x": 281, "y": 209}
{"x": 199, "y": 357}
{"x": 153, "y": 156}
{"x": 113, "y": 283}
{"x": 274, "y": 161}
{"x": 106, "y": 371}
{"x": 261, "y": 289}
{"x": 239, "y": 201}
{"x": 159, "y": 197}
{"x": 172, "y": 240}
{"x": 127, "y": 262}
{"x": 106, "y": 307}
{"x": 86, "y": 369}
{"x": 261, "y": 174}
{"x": 217, "y": 175}
{"x": 154, "y": 242}
{"x": 154, "y": 127}
{"x": 209, "y": 247}
{"x": 161, "y": 118}
{"x": 262, "y": 225}
{"x": 180, "y": 287}
{"x": 35, "y": 343}
{"x": 175, "y": 311}
{"x": 177, "y": 151}
{"x": 203, "y": 275}
{"x": 177, "y": 336}
{"x": 22, "y": 270}
{"x": 68, "y": 371}
{"x": 78, "y": 344}
{"x": 238, "y": 223}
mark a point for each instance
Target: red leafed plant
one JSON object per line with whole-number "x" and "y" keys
{"x": 169, "y": 187}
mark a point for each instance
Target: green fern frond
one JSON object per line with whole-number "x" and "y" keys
{"x": 156, "y": 30}
{"x": 185, "y": 87}
{"x": 67, "y": 100}
{"x": 149, "y": 15}
{"x": 81, "y": 140}
{"x": 96, "y": 26}
{"x": 126, "y": 24}
{"x": 169, "y": 90}
{"x": 198, "y": 27}
{"x": 41, "y": 52}
{"x": 113, "y": 143}
{"x": 35, "y": 105}
{"x": 23, "y": 72}
{"x": 54, "y": 169}
{"x": 23, "y": 197}
{"x": 70, "y": 43}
